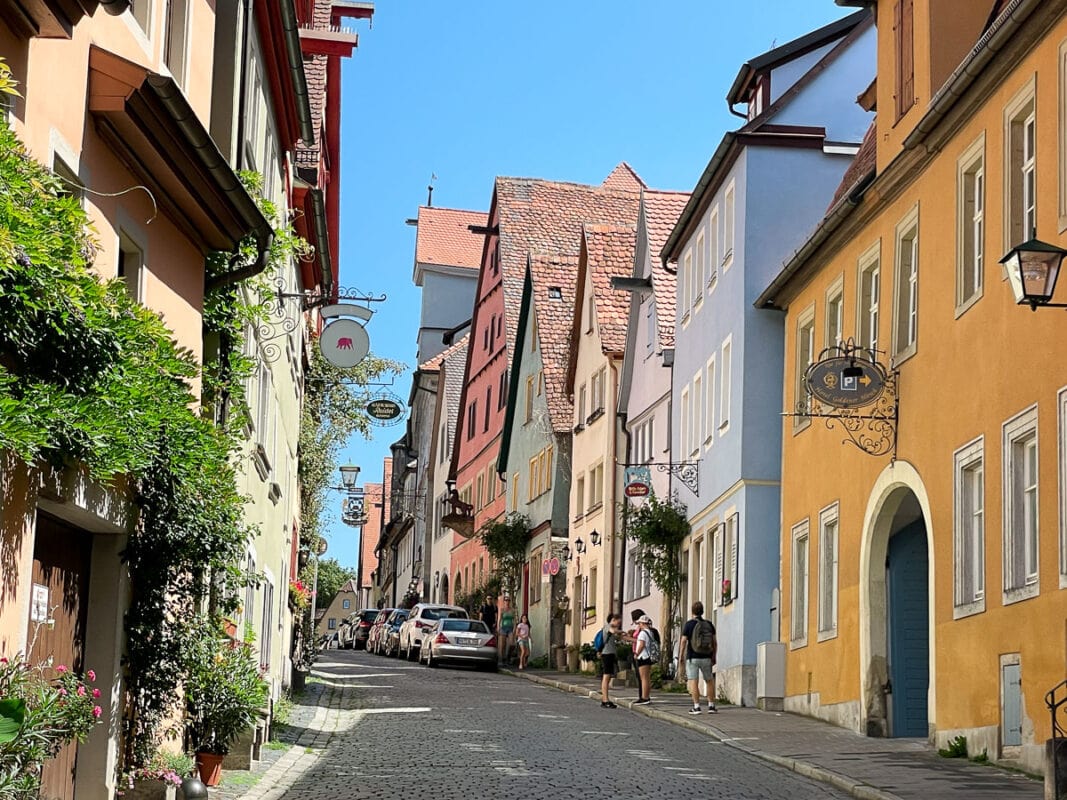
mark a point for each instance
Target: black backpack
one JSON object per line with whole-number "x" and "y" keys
{"x": 702, "y": 640}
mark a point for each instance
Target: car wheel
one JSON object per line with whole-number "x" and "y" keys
{"x": 410, "y": 654}
{"x": 432, "y": 662}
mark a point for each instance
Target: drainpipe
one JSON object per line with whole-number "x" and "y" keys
{"x": 621, "y": 416}
{"x": 615, "y": 489}
{"x": 333, "y": 147}
{"x": 396, "y": 572}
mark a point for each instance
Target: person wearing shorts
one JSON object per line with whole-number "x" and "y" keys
{"x": 522, "y": 639}
{"x": 609, "y": 666}
{"x": 698, "y": 664}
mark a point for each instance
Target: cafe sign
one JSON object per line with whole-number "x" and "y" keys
{"x": 844, "y": 382}
{"x": 385, "y": 409}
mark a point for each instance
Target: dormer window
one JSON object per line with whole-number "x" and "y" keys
{"x": 760, "y": 97}
{"x": 555, "y": 293}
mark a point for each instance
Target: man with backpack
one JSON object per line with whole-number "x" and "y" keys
{"x": 698, "y": 650}
{"x": 606, "y": 642}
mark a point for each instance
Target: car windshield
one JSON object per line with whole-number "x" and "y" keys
{"x": 444, "y": 613}
{"x": 464, "y": 626}
{"x": 399, "y": 616}
{"x": 368, "y": 616}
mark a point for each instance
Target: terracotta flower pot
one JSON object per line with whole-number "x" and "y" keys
{"x": 210, "y": 767}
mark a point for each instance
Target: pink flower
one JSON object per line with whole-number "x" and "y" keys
{"x": 97, "y": 711}
{"x": 62, "y": 692}
{"x": 61, "y": 669}
{"x": 96, "y": 693}
{"x": 90, "y": 675}
{"x": 3, "y": 660}
{"x": 81, "y": 690}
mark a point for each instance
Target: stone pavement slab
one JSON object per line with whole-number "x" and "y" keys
{"x": 865, "y": 767}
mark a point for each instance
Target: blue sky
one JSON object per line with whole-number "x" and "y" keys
{"x": 556, "y": 89}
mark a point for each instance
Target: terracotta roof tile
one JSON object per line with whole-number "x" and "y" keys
{"x": 624, "y": 179}
{"x": 434, "y": 364}
{"x": 610, "y": 251}
{"x": 863, "y": 163}
{"x": 453, "y": 365}
{"x": 555, "y": 314}
{"x": 662, "y": 210}
{"x": 444, "y": 238}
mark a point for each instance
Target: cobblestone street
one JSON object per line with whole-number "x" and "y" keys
{"x": 389, "y": 729}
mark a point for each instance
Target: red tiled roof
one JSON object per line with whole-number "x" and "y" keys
{"x": 662, "y": 210}
{"x": 610, "y": 251}
{"x": 863, "y": 163}
{"x": 555, "y": 315}
{"x": 434, "y": 364}
{"x": 307, "y": 153}
{"x": 624, "y": 179}
{"x": 444, "y": 238}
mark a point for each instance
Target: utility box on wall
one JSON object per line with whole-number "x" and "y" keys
{"x": 770, "y": 676}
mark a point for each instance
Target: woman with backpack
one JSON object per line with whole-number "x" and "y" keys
{"x": 646, "y": 653}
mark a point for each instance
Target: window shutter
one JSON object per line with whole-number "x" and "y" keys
{"x": 904, "y": 26}
{"x": 717, "y": 555}
{"x": 734, "y": 534}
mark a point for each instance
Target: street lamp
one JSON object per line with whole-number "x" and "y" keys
{"x": 1033, "y": 268}
{"x": 594, "y": 537}
{"x": 579, "y": 545}
{"x": 349, "y": 476}
{"x": 566, "y": 552}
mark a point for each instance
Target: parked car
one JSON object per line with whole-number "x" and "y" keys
{"x": 459, "y": 640}
{"x": 391, "y": 633}
{"x": 344, "y": 635}
{"x": 423, "y": 617}
{"x": 374, "y": 638}
{"x": 359, "y": 627}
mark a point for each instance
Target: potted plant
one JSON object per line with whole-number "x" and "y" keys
{"x": 160, "y": 778}
{"x": 224, "y": 692}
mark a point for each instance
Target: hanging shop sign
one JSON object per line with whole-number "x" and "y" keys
{"x": 843, "y": 382}
{"x": 385, "y": 409}
{"x": 638, "y": 482}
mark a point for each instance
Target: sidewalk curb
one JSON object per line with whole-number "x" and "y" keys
{"x": 861, "y": 791}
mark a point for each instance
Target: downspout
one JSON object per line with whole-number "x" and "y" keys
{"x": 622, "y": 418}
{"x": 396, "y": 572}
{"x": 253, "y": 269}
{"x": 333, "y": 144}
{"x": 730, "y": 108}
{"x": 615, "y": 489}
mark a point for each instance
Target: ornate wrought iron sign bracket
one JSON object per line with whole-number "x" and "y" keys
{"x": 688, "y": 472}
{"x": 848, "y": 387}
{"x": 317, "y": 299}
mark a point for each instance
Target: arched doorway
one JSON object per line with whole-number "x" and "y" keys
{"x": 444, "y": 588}
{"x": 896, "y": 599}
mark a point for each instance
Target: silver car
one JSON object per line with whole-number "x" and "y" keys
{"x": 459, "y": 640}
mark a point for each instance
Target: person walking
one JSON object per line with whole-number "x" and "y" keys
{"x": 522, "y": 638}
{"x": 609, "y": 665}
{"x": 645, "y": 653}
{"x": 507, "y": 627}
{"x": 698, "y": 649}
{"x": 488, "y": 613}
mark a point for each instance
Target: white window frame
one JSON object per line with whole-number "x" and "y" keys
{"x": 971, "y": 225}
{"x": 805, "y": 338}
{"x": 798, "y": 594}
{"x": 969, "y": 529}
{"x": 700, "y": 265}
{"x": 650, "y": 324}
{"x": 729, "y": 221}
{"x": 1020, "y": 428}
{"x": 685, "y": 285}
{"x": 714, "y": 258}
{"x": 725, "y": 384}
{"x": 1062, "y": 100}
{"x": 180, "y": 12}
{"x": 698, "y": 423}
{"x": 834, "y": 327}
{"x": 868, "y": 303}
{"x": 829, "y": 556}
{"x": 684, "y": 420}
{"x": 906, "y": 288}
{"x": 709, "y": 393}
{"x": 1021, "y": 108}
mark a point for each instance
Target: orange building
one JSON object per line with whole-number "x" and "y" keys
{"x": 922, "y": 587}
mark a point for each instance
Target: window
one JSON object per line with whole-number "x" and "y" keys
{"x": 684, "y": 420}
{"x": 265, "y": 634}
{"x": 531, "y": 480}
{"x": 699, "y": 270}
{"x": 642, "y": 439}
{"x": 686, "y": 284}
{"x": 490, "y": 486}
{"x": 71, "y": 183}
{"x": 535, "y": 577}
{"x": 1020, "y": 167}
{"x": 835, "y": 313}
{"x": 494, "y": 258}
{"x": 1021, "y": 506}
{"x": 502, "y": 392}
{"x": 969, "y": 529}
{"x": 904, "y": 28}
{"x": 906, "y": 321}
{"x": 725, "y": 387}
{"x": 250, "y": 593}
{"x": 805, "y": 358}
{"x": 472, "y": 415}
{"x": 579, "y": 498}
{"x": 696, "y": 426}
{"x": 700, "y": 568}
{"x": 252, "y": 115}
{"x": 581, "y": 409}
{"x": 715, "y": 254}
{"x": 175, "y": 45}
{"x": 488, "y": 406}
{"x": 529, "y": 397}
{"x": 709, "y": 404}
{"x": 533, "y": 332}
{"x": 444, "y": 443}
{"x": 970, "y": 258}
{"x": 130, "y": 267}
{"x": 650, "y": 324}
{"x": 728, "y": 587}
{"x": 515, "y": 491}
{"x": 142, "y": 12}
{"x": 540, "y": 382}
{"x": 546, "y": 480}
{"x": 479, "y": 493}
{"x": 599, "y": 380}
{"x": 346, "y": 604}
{"x": 331, "y": 624}
{"x": 798, "y": 622}
{"x": 596, "y": 487}
{"x": 870, "y": 289}
{"x": 728, "y": 228}
{"x": 717, "y": 536}
{"x": 828, "y": 540}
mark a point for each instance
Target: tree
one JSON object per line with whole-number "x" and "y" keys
{"x": 332, "y": 577}
{"x": 505, "y": 542}
{"x": 660, "y": 527}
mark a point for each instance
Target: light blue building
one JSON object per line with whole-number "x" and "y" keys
{"x": 764, "y": 190}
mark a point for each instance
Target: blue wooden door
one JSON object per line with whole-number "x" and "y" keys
{"x": 1012, "y": 682}
{"x": 909, "y": 630}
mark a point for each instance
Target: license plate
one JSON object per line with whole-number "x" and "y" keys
{"x": 468, "y": 641}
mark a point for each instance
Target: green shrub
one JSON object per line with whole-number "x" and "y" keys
{"x": 957, "y": 748}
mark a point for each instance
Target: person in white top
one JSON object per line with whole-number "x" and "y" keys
{"x": 644, "y": 645}
{"x": 522, "y": 636}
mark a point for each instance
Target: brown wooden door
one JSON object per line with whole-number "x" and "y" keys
{"x": 61, "y": 558}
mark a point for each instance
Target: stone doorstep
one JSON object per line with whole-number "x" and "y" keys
{"x": 853, "y": 787}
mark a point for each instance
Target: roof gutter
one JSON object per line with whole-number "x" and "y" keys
{"x": 322, "y": 237}
{"x": 826, "y": 228}
{"x": 992, "y": 41}
{"x": 296, "y": 69}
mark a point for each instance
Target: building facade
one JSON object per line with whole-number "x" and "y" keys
{"x": 804, "y": 123}
{"x": 947, "y": 546}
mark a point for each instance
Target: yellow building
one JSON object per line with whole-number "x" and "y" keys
{"x": 922, "y": 589}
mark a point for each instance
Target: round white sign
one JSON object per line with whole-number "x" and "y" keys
{"x": 344, "y": 343}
